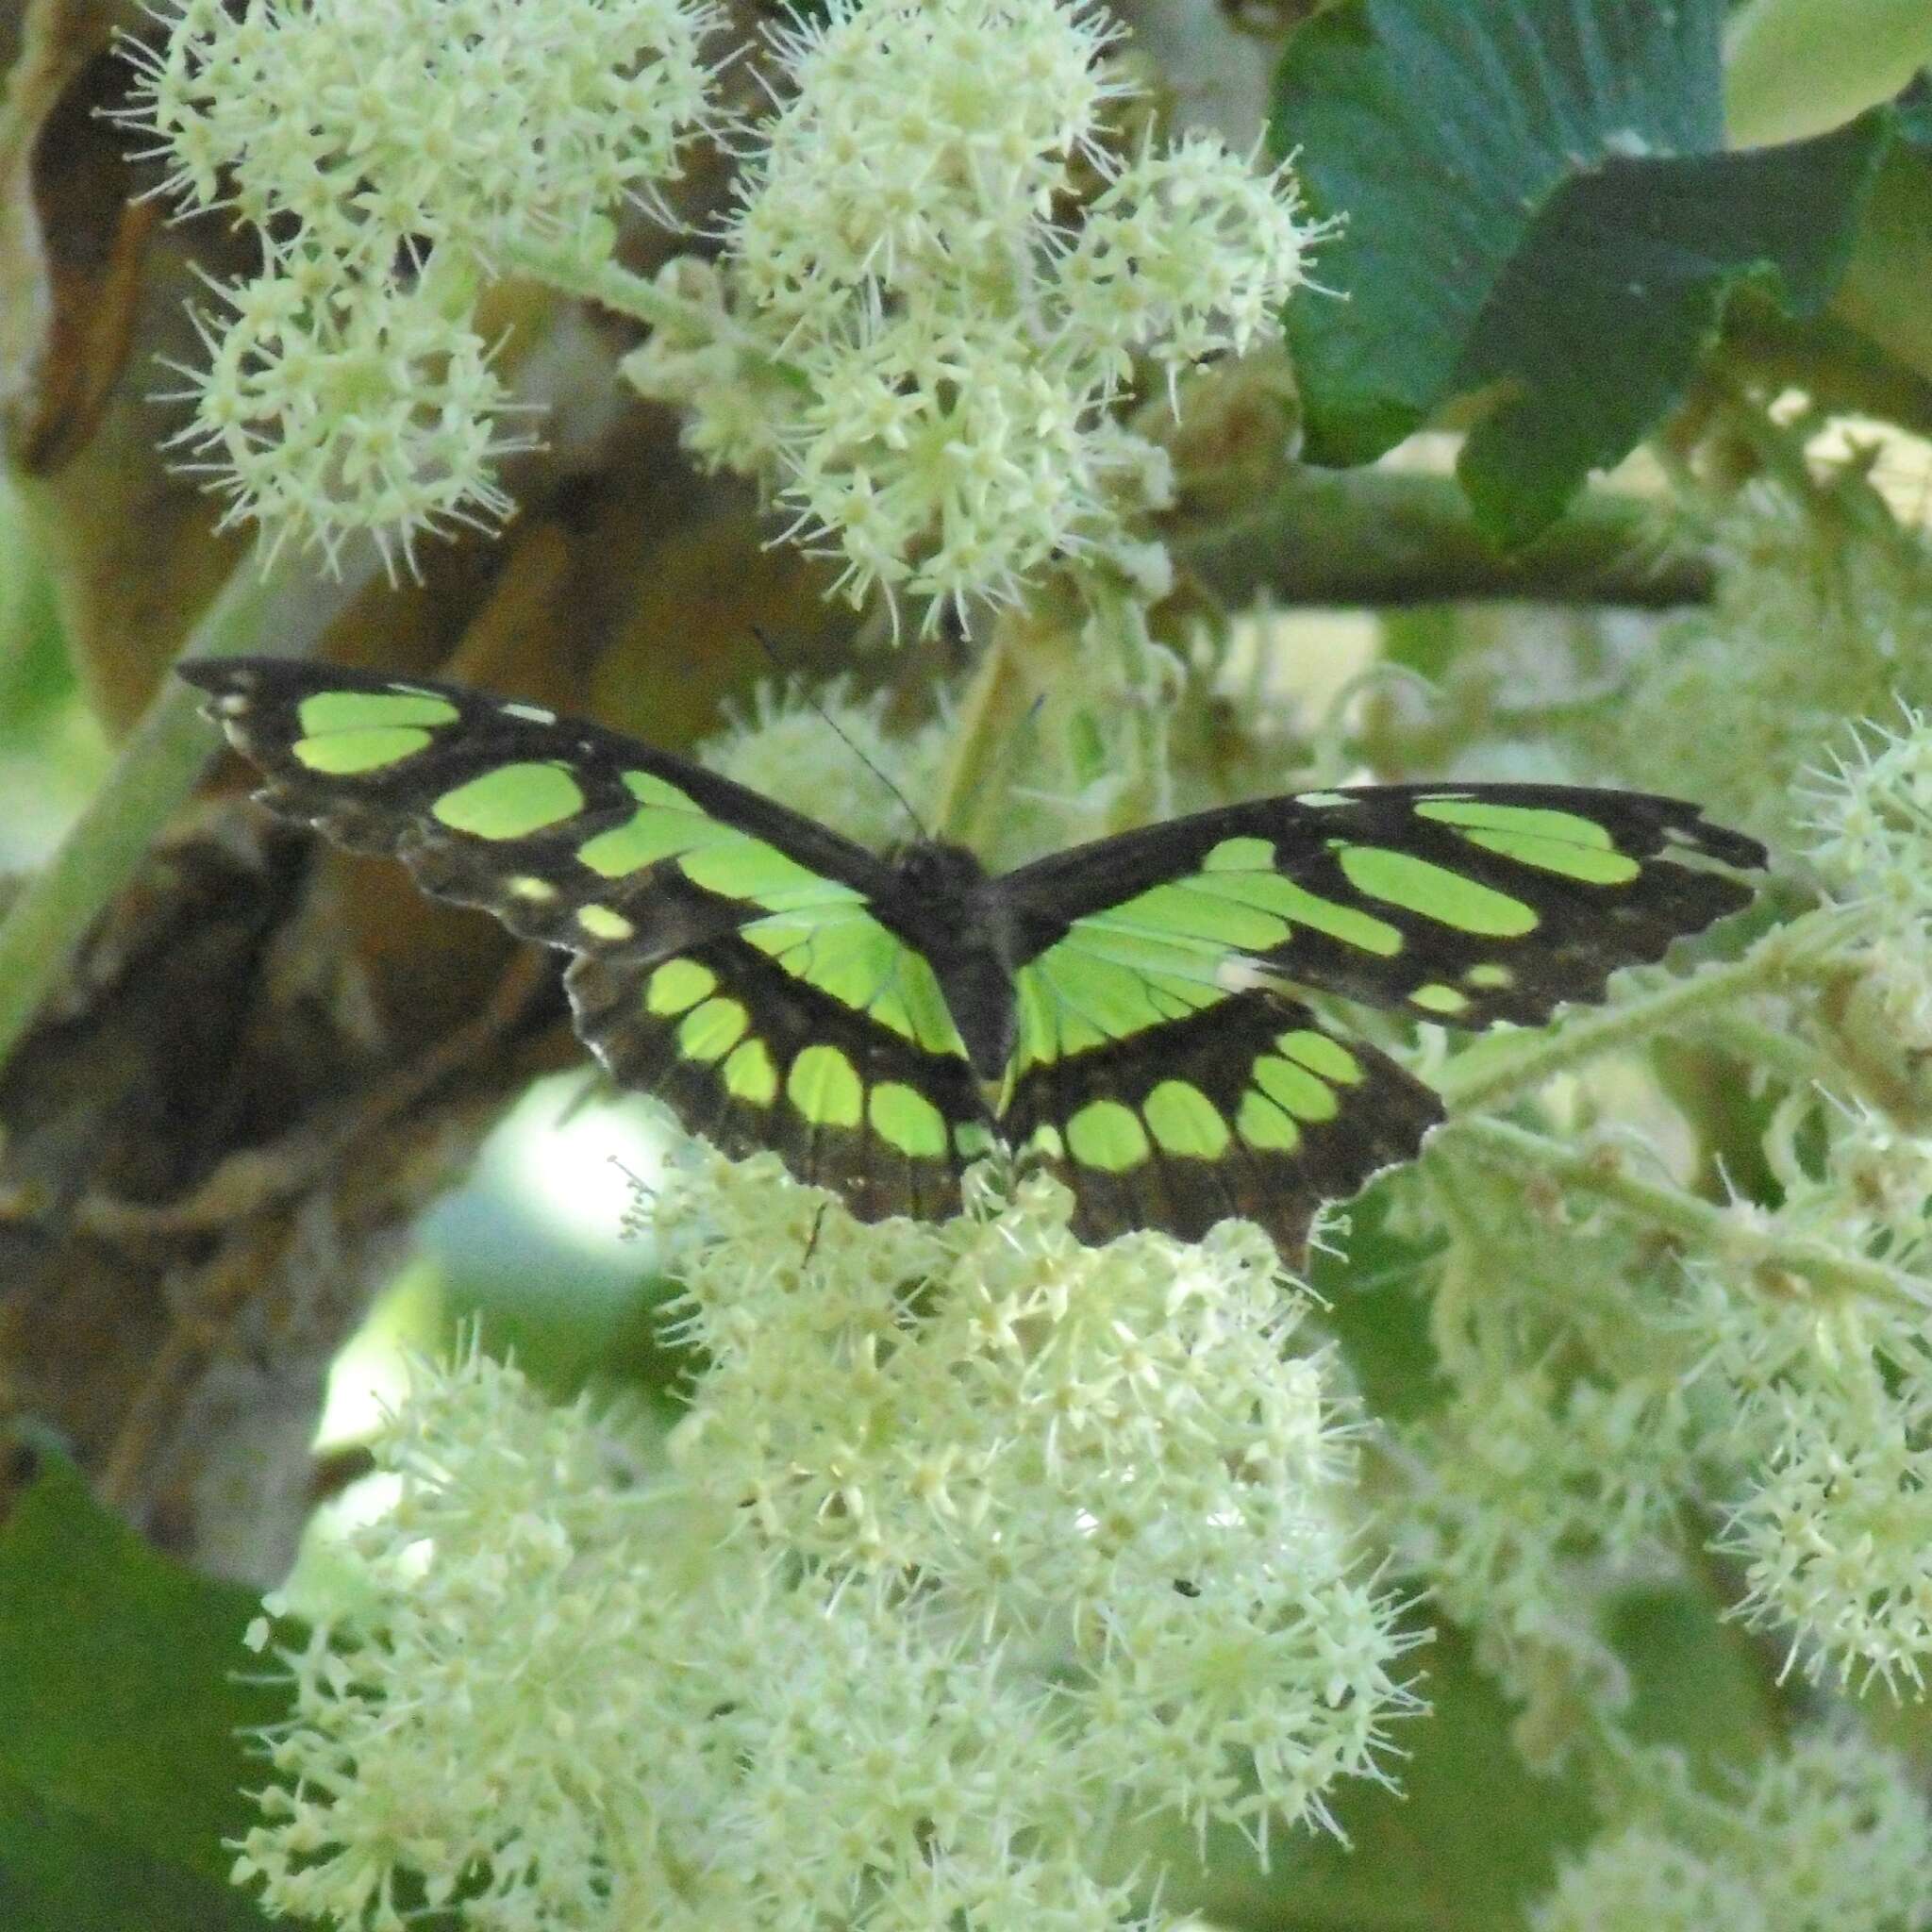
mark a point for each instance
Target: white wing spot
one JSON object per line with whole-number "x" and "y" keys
{"x": 1238, "y": 973}
{"x": 534, "y": 714}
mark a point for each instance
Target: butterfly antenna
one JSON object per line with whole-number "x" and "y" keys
{"x": 1016, "y": 742}
{"x": 839, "y": 731}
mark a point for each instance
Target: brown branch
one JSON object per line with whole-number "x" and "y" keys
{"x": 1391, "y": 538}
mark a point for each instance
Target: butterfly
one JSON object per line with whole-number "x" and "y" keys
{"x": 1133, "y": 1014}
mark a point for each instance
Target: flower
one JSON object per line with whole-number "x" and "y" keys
{"x": 390, "y": 155}
{"x": 1827, "y": 1836}
{"x": 974, "y": 1544}
{"x": 910, "y": 249}
{"x": 381, "y": 125}
{"x": 321, "y": 419}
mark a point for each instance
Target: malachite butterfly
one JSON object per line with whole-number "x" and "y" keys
{"x": 1134, "y": 1013}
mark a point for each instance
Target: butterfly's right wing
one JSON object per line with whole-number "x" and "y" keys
{"x": 730, "y": 954}
{"x": 1166, "y": 1063}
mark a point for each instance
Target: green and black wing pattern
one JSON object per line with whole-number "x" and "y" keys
{"x": 1167, "y": 1066}
{"x": 783, "y": 988}
{"x": 729, "y": 955}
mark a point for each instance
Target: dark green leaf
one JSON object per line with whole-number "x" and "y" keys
{"x": 1538, "y": 207}
{"x": 1601, "y": 317}
{"x": 61, "y": 1871}
{"x": 119, "y": 1699}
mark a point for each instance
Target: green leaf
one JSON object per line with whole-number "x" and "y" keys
{"x": 119, "y": 1700}
{"x": 1601, "y": 319}
{"x": 61, "y": 1871}
{"x": 1538, "y": 207}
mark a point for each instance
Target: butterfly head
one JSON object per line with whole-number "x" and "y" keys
{"x": 940, "y": 872}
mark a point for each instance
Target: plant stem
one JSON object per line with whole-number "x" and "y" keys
{"x": 1488, "y": 1076}
{"x": 1747, "y": 1240}
{"x": 616, "y": 288}
{"x": 610, "y": 284}
{"x": 156, "y": 768}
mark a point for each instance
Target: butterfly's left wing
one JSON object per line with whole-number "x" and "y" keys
{"x": 1166, "y": 1065}
{"x": 734, "y": 958}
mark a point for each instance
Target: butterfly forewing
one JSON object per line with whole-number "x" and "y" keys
{"x": 1461, "y": 903}
{"x": 729, "y": 957}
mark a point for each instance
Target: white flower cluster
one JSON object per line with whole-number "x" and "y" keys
{"x": 1537, "y": 1496}
{"x": 1806, "y": 629}
{"x": 976, "y": 1544}
{"x": 951, "y": 337}
{"x": 1102, "y": 1465}
{"x": 1829, "y": 1419}
{"x": 317, "y": 421}
{"x": 1830, "y": 1835}
{"x": 1872, "y": 823}
{"x": 380, "y": 127}
{"x": 1593, "y": 1398}
{"x": 386, "y": 154}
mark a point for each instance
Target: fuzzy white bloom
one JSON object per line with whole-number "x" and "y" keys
{"x": 1640, "y": 1880}
{"x": 1872, "y": 819}
{"x": 1830, "y": 1835}
{"x": 1536, "y": 1498}
{"x": 389, "y": 154}
{"x": 321, "y": 421}
{"x": 1836, "y": 1539}
{"x": 975, "y": 1543}
{"x": 1807, "y": 627}
{"x": 953, "y": 348}
{"x": 1105, "y": 1465}
{"x": 1827, "y": 1414}
{"x": 381, "y": 125}
{"x": 1861, "y": 1180}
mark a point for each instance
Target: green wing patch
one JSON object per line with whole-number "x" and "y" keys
{"x": 729, "y": 953}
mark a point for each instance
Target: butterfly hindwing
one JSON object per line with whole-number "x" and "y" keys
{"x": 729, "y": 953}
{"x": 751, "y": 1056}
{"x": 1250, "y": 1105}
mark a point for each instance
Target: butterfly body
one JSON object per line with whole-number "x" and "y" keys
{"x": 944, "y": 904}
{"x": 1133, "y": 1014}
